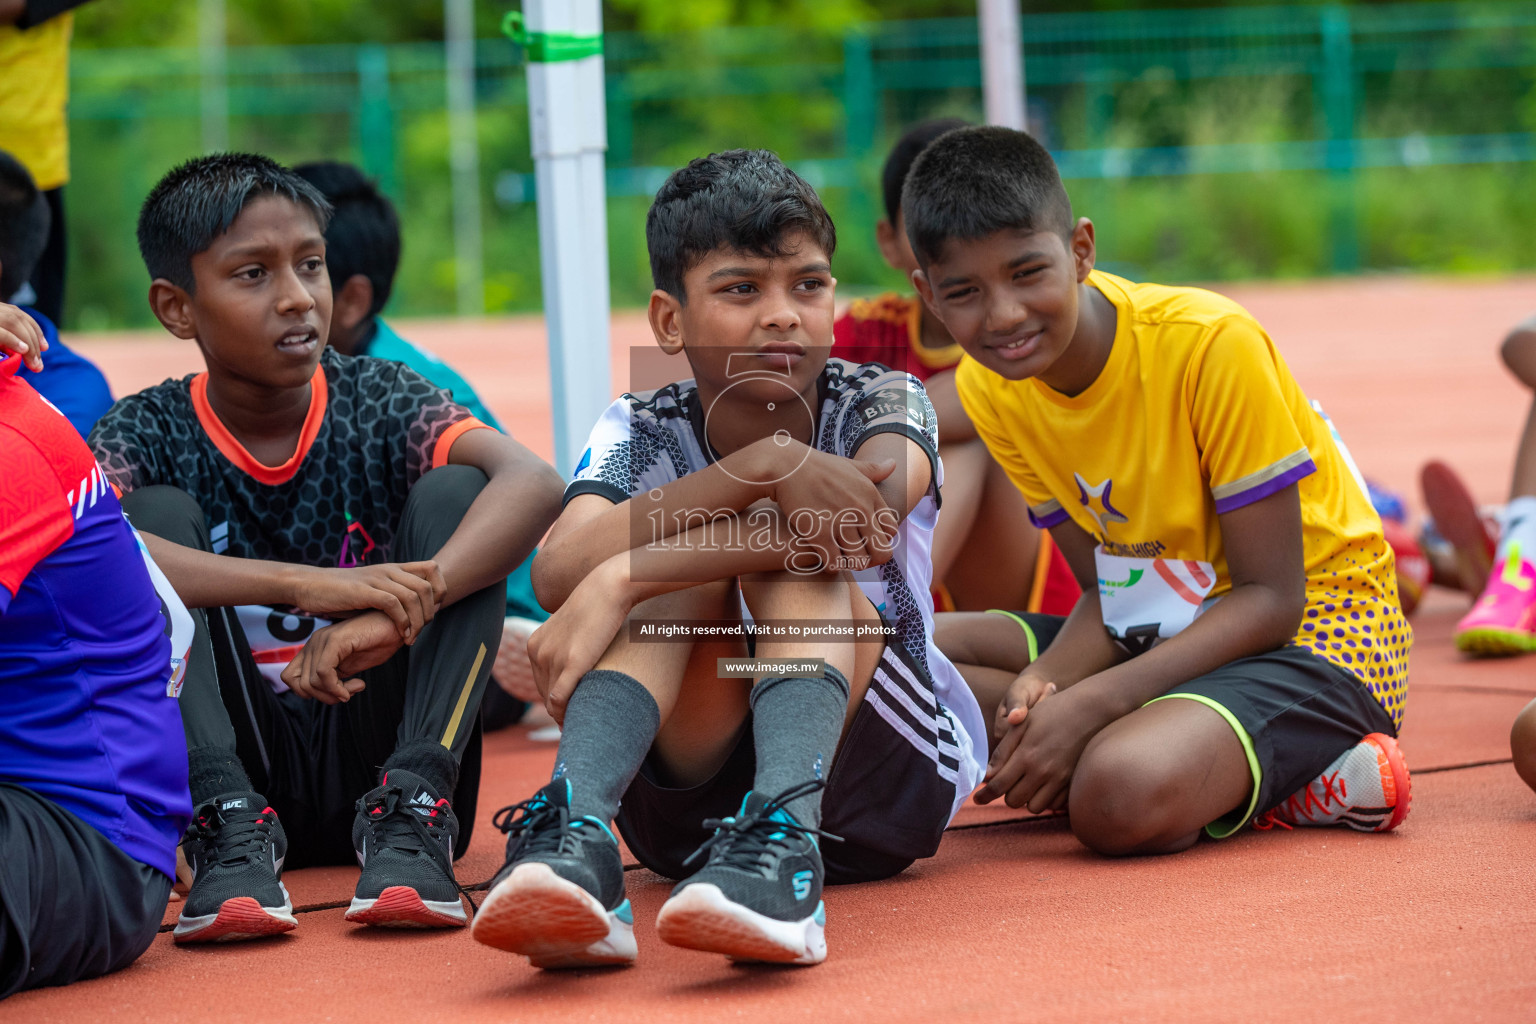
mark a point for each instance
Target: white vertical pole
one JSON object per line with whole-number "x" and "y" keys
{"x": 568, "y": 121}
{"x": 213, "y": 56}
{"x": 464, "y": 155}
{"x": 1002, "y": 62}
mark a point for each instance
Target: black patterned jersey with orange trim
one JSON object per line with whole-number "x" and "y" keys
{"x": 374, "y": 428}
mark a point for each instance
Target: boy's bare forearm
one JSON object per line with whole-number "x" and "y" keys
{"x": 1082, "y": 649}
{"x": 1251, "y": 619}
{"x": 738, "y": 545}
{"x": 576, "y": 547}
{"x": 501, "y": 528}
{"x": 205, "y": 580}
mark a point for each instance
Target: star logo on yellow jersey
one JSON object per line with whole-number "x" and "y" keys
{"x": 1096, "y": 500}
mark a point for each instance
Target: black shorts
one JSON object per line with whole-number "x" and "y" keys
{"x": 884, "y": 798}
{"x": 1293, "y": 712}
{"x": 72, "y": 905}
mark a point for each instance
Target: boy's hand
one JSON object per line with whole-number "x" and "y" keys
{"x": 407, "y": 592}
{"x": 567, "y": 647}
{"x": 832, "y": 503}
{"x": 1025, "y": 692}
{"x": 324, "y": 668}
{"x": 19, "y": 333}
{"x": 1034, "y": 761}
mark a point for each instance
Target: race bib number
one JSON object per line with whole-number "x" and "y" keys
{"x": 1145, "y": 601}
{"x": 275, "y": 636}
{"x": 178, "y": 621}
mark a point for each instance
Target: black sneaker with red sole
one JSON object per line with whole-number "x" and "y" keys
{"x": 235, "y": 848}
{"x": 403, "y": 835}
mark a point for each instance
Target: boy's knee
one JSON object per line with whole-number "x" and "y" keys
{"x": 435, "y": 507}
{"x": 169, "y": 513}
{"x": 1123, "y": 799}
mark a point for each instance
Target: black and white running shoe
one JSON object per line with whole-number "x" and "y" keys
{"x": 559, "y": 898}
{"x": 235, "y": 848}
{"x": 758, "y": 896}
{"x": 403, "y": 836}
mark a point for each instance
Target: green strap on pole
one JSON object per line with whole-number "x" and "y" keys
{"x": 548, "y": 47}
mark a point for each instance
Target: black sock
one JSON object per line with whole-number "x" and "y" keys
{"x": 610, "y": 724}
{"x": 214, "y": 771}
{"x": 795, "y": 726}
{"x": 431, "y": 761}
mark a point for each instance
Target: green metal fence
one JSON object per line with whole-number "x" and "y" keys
{"x": 1211, "y": 142}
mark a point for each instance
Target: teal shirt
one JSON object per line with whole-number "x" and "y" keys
{"x": 386, "y": 344}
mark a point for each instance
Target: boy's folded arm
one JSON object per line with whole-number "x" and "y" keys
{"x": 905, "y": 487}
{"x": 407, "y": 593}
{"x": 205, "y": 580}
{"x": 1083, "y": 648}
{"x": 505, "y": 521}
{"x": 593, "y": 530}
{"x": 1261, "y": 612}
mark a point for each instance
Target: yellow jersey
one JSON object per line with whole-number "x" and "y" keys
{"x": 1195, "y": 414}
{"x": 34, "y": 86}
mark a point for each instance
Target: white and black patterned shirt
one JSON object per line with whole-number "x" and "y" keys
{"x": 648, "y": 440}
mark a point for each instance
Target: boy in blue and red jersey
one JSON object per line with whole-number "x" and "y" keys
{"x": 93, "y": 764}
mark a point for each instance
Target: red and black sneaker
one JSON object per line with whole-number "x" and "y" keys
{"x": 403, "y": 835}
{"x": 236, "y": 855}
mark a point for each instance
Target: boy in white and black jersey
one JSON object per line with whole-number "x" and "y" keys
{"x": 775, "y": 497}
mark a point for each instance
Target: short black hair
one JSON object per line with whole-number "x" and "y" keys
{"x": 198, "y": 200}
{"x": 363, "y": 236}
{"x": 894, "y": 175}
{"x": 975, "y": 182}
{"x": 744, "y": 200}
{"x": 24, "y": 223}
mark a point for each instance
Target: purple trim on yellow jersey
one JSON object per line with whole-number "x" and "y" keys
{"x": 1265, "y": 488}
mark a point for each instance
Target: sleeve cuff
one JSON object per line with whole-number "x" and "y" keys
{"x": 1265, "y": 482}
{"x": 1048, "y": 515}
{"x": 576, "y": 488}
{"x": 444, "y": 445}
{"x": 918, "y": 438}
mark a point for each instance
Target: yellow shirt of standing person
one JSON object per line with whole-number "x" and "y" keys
{"x": 34, "y": 86}
{"x": 1194, "y": 415}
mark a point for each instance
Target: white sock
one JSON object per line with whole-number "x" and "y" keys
{"x": 1519, "y": 528}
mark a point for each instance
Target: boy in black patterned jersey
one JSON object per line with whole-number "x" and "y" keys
{"x": 344, "y": 531}
{"x": 776, "y": 494}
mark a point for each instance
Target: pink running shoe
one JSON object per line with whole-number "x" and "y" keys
{"x": 1503, "y": 621}
{"x": 1367, "y": 789}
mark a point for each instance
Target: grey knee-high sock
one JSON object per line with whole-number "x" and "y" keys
{"x": 795, "y": 727}
{"x": 610, "y": 723}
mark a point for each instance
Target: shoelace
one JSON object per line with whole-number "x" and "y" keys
{"x": 1305, "y": 803}
{"x": 748, "y": 838}
{"x": 237, "y": 841}
{"x": 539, "y": 826}
{"x": 395, "y": 822}
{"x": 398, "y": 824}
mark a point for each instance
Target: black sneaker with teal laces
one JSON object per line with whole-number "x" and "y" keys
{"x": 403, "y": 836}
{"x": 235, "y": 848}
{"x": 757, "y": 898}
{"x": 559, "y": 898}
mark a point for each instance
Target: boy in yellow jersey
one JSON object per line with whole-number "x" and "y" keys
{"x": 34, "y": 89}
{"x": 985, "y": 552}
{"x": 1238, "y": 653}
